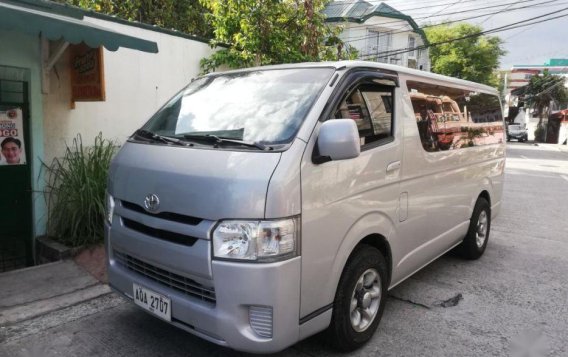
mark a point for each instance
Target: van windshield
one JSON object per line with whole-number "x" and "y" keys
{"x": 264, "y": 106}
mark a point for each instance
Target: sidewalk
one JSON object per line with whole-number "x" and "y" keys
{"x": 546, "y": 146}
{"x": 561, "y": 147}
{"x": 39, "y": 290}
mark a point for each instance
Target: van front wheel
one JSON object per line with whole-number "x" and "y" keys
{"x": 475, "y": 241}
{"x": 359, "y": 300}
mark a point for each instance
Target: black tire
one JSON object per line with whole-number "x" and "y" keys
{"x": 341, "y": 333}
{"x": 471, "y": 248}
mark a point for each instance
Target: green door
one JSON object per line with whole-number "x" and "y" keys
{"x": 15, "y": 177}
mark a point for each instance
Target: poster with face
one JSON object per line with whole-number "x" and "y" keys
{"x": 12, "y": 137}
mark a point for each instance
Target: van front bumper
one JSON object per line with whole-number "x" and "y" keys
{"x": 239, "y": 287}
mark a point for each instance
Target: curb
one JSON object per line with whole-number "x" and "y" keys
{"x": 37, "y": 308}
{"x": 35, "y": 267}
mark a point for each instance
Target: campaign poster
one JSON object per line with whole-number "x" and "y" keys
{"x": 12, "y": 137}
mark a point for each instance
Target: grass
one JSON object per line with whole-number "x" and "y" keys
{"x": 75, "y": 192}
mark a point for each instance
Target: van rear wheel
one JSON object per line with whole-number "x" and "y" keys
{"x": 475, "y": 242}
{"x": 359, "y": 300}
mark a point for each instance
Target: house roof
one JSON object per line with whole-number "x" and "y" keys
{"x": 359, "y": 11}
{"x": 35, "y": 20}
{"x": 79, "y": 13}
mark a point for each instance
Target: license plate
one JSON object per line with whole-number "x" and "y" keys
{"x": 157, "y": 304}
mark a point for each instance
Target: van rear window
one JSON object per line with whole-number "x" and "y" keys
{"x": 452, "y": 118}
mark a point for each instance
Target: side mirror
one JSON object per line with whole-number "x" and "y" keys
{"x": 338, "y": 140}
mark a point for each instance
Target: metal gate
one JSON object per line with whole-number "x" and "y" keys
{"x": 15, "y": 184}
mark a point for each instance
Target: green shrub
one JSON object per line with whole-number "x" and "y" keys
{"x": 75, "y": 192}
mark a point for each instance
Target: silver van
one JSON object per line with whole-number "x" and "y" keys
{"x": 261, "y": 206}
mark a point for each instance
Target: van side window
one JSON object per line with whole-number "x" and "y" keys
{"x": 371, "y": 107}
{"x": 452, "y": 118}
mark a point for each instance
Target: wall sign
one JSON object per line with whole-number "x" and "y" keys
{"x": 13, "y": 148}
{"x": 87, "y": 74}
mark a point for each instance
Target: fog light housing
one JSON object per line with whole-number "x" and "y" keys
{"x": 260, "y": 319}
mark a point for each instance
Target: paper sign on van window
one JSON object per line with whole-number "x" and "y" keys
{"x": 12, "y": 137}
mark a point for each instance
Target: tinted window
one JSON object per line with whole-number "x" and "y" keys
{"x": 259, "y": 106}
{"x": 371, "y": 107}
{"x": 451, "y": 118}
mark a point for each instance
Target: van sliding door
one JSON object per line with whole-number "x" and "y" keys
{"x": 344, "y": 200}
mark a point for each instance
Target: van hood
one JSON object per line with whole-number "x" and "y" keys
{"x": 204, "y": 183}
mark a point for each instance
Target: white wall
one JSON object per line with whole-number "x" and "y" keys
{"x": 356, "y": 35}
{"x": 137, "y": 84}
{"x": 519, "y": 76}
{"x": 563, "y": 133}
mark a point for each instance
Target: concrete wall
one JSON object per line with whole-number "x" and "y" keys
{"x": 532, "y": 124}
{"x": 563, "y": 133}
{"x": 23, "y": 52}
{"x": 137, "y": 84}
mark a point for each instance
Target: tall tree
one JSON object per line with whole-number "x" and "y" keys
{"x": 183, "y": 15}
{"x": 543, "y": 90}
{"x": 475, "y": 57}
{"x": 259, "y": 32}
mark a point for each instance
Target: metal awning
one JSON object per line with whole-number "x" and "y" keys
{"x": 69, "y": 29}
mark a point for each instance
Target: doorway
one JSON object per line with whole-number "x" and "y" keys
{"x": 16, "y": 221}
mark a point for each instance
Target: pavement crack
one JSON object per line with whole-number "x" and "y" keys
{"x": 451, "y": 302}
{"x": 409, "y": 301}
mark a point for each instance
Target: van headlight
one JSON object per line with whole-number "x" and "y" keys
{"x": 261, "y": 241}
{"x": 109, "y": 208}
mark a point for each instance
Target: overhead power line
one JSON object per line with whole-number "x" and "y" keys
{"x": 507, "y": 9}
{"x": 447, "y": 7}
{"x": 429, "y": 5}
{"x": 518, "y": 24}
{"x": 354, "y": 39}
{"x": 405, "y": 50}
{"x": 455, "y": 12}
{"x": 465, "y": 18}
{"x": 541, "y": 4}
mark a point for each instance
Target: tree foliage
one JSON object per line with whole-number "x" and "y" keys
{"x": 475, "y": 58}
{"x": 261, "y": 32}
{"x": 183, "y": 15}
{"x": 544, "y": 89}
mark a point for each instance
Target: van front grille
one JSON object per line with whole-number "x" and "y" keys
{"x": 170, "y": 216}
{"x": 173, "y": 237}
{"x": 165, "y": 277}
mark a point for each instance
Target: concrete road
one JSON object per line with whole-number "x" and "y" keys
{"x": 515, "y": 298}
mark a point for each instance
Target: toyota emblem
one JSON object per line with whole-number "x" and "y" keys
{"x": 151, "y": 202}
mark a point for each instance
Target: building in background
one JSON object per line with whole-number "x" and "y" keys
{"x": 66, "y": 71}
{"x": 520, "y": 75}
{"x": 380, "y": 33}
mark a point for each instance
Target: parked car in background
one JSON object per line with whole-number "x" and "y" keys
{"x": 261, "y": 206}
{"x": 517, "y": 131}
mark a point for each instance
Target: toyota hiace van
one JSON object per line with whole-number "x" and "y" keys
{"x": 261, "y": 206}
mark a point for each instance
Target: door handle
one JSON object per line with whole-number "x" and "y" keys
{"x": 393, "y": 166}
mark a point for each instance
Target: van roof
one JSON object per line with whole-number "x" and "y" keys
{"x": 369, "y": 64}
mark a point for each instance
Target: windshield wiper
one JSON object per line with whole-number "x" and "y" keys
{"x": 156, "y": 137}
{"x": 220, "y": 140}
